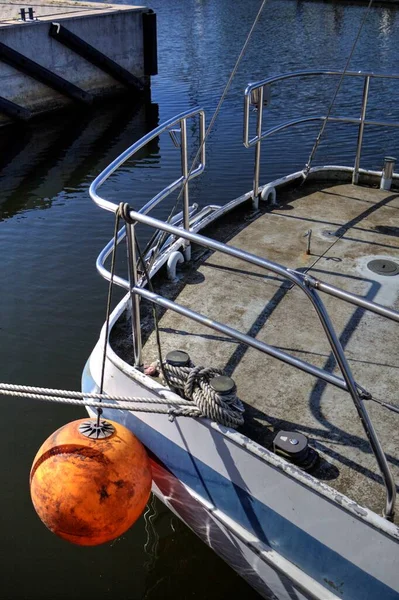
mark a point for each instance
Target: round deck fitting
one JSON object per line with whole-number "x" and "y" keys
{"x": 329, "y": 233}
{"x": 90, "y": 429}
{"x": 178, "y": 358}
{"x": 383, "y": 267}
{"x": 223, "y": 384}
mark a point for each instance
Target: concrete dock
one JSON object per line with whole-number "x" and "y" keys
{"x": 72, "y": 53}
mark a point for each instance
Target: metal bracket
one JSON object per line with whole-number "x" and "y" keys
{"x": 173, "y": 134}
{"x": 29, "y": 67}
{"x": 269, "y": 195}
{"x": 308, "y": 235}
{"x": 174, "y": 259}
{"x": 94, "y": 56}
{"x": 94, "y": 430}
{"x": 255, "y": 96}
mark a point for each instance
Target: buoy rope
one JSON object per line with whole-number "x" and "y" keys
{"x": 125, "y": 210}
{"x": 108, "y": 309}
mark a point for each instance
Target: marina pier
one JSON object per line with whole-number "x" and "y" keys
{"x": 58, "y": 55}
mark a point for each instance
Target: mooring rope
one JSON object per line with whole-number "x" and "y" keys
{"x": 199, "y": 402}
{"x": 98, "y": 403}
{"x": 81, "y": 396}
{"x": 306, "y": 170}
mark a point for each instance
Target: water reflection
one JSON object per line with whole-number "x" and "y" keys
{"x": 38, "y": 162}
{"x": 338, "y": 16}
{"x": 53, "y": 301}
{"x": 387, "y": 20}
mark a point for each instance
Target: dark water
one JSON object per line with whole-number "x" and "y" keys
{"x": 52, "y": 300}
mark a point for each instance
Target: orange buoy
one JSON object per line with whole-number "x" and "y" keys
{"x": 88, "y": 489}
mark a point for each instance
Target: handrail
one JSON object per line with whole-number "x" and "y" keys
{"x": 181, "y": 120}
{"x": 182, "y": 181}
{"x": 300, "y": 120}
{"x": 108, "y": 249}
{"x": 251, "y": 97}
{"x": 308, "y": 285}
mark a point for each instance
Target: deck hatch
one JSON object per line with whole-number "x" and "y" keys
{"x": 383, "y": 267}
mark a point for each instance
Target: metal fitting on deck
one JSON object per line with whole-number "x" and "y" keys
{"x": 174, "y": 259}
{"x": 387, "y": 172}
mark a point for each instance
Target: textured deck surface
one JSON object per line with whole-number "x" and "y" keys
{"x": 350, "y": 226}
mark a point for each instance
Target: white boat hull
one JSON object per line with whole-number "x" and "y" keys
{"x": 289, "y": 535}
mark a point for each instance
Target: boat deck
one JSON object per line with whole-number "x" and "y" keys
{"x": 351, "y": 225}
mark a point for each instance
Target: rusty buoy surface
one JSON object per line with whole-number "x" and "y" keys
{"x": 90, "y": 491}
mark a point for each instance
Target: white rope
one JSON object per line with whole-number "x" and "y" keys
{"x": 94, "y": 403}
{"x": 4, "y": 387}
{"x": 201, "y": 400}
{"x": 97, "y": 400}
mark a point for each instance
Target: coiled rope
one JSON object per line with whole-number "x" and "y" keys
{"x": 194, "y": 383}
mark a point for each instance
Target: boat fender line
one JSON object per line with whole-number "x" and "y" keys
{"x": 174, "y": 259}
{"x": 222, "y": 406}
{"x": 95, "y": 400}
{"x": 268, "y": 194}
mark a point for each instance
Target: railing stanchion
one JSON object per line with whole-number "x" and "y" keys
{"x": 134, "y": 298}
{"x": 255, "y": 198}
{"x": 355, "y": 176}
{"x": 184, "y": 168}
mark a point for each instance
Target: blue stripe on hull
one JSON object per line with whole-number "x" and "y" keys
{"x": 317, "y": 560}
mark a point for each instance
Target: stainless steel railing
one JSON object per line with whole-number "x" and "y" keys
{"x": 182, "y": 181}
{"x": 180, "y": 120}
{"x": 256, "y": 93}
{"x": 306, "y": 283}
